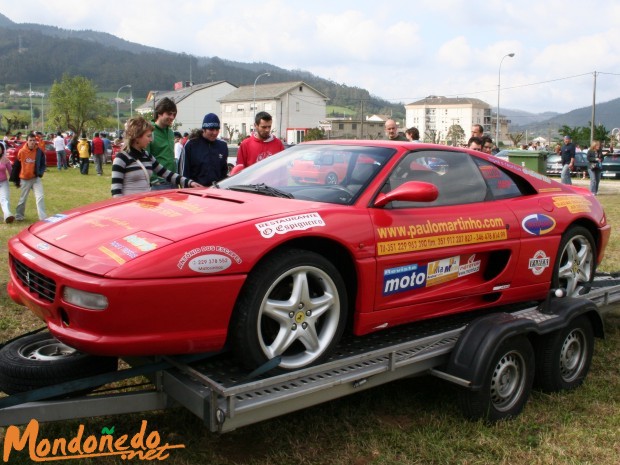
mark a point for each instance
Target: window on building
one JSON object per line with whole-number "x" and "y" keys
{"x": 354, "y": 126}
{"x": 227, "y": 108}
{"x": 341, "y": 126}
{"x": 240, "y": 107}
{"x": 267, "y": 106}
{"x": 296, "y": 106}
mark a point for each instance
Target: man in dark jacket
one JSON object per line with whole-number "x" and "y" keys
{"x": 568, "y": 160}
{"x": 205, "y": 158}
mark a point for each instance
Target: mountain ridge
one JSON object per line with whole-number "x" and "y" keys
{"x": 38, "y": 57}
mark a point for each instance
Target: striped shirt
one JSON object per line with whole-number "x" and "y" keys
{"x": 129, "y": 178}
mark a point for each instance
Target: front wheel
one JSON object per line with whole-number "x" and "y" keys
{"x": 39, "y": 360}
{"x": 507, "y": 383}
{"x": 564, "y": 356}
{"x": 575, "y": 262}
{"x": 293, "y": 306}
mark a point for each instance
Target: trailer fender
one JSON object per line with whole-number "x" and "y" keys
{"x": 569, "y": 308}
{"x": 476, "y": 346}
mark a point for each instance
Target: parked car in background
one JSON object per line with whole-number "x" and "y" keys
{"x": 554, "y": 165}
{"x": 581, "y": 163}
{"x": 50, "y": 153}
{"x": 611, "y": 165}
{"x": 278, "y": 269}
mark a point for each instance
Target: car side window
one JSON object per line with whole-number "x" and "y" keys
{"x": 458, "y": 179}
{"x": 500, "y": 184}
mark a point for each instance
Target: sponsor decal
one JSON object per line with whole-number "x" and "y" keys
{"x": 442, "y": 271}
{"x": 42, "y": 246}
{"x": 470, "y": 266}
{"x": 403, "y": 278}
{"x": 55, "y": 219}
{"x": 415, "y": 276}
{"x": 270, "y": 228}
{"x": 539, "y": 262}
{"x": 210, "y": 263}
{"x": 461, "y": 231}
{"x": 574, "y": 203}
{"x": 140, "y": 243}
{"x": 538, "y": 224}
{"x": 209, "y": 252}
{"x": 142, "y": 445}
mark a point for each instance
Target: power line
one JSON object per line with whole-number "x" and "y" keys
{"x": 460, "y": 94}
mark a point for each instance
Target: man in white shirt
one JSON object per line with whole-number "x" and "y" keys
{"x": 59, "y": 146}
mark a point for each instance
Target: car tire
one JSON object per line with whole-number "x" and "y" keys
{"x": 575, "y": 262}
{"x": 293, "y": 306}
{"x": 563, "y": 358}
{"x": 39, "y": 360}
{"x": 331, "y": 179}
{"x": 507, "y": 383}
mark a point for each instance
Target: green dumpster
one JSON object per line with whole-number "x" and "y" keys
{"x": 534, "y": 160}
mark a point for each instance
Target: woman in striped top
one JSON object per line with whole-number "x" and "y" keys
{"x": 133, "y": 166}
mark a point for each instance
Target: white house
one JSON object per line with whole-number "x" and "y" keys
{"x": 193, "y": 102}
{"x": 433, "y": 116}
{"x": 294, "y": 106}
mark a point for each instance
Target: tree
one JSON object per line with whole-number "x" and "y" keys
{"x": 601, "y": 134}
{"x": 314, "y": 134}
{"x": 456, "y": 135}
{"x": 433, "y": 136}
{"x": 515, "y": 138}
{"x": 74, "y": 105}
{"x": 15, "y": 121}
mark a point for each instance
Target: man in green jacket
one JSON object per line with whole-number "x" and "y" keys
{"x": 162, "y": 145}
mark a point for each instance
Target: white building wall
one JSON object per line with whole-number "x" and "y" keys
{"x": 191, "y": 110}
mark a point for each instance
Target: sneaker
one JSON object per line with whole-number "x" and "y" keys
{"x": 9, "y": 219}
{"x": 19, "y": 218}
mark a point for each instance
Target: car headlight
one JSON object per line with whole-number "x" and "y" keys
{"x": 84, "y": 299}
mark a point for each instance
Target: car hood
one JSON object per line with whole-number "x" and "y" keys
{"x": 94, "y": 237}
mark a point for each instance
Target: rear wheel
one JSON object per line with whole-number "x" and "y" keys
{"x": 564, "y": 357}
{"x": 575, "y": 262}
{"x": 293, "y": 306}
{"x": 507, "y": 383}
{"x": 39, "y": 360}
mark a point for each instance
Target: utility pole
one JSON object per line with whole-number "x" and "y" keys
{"x": 592, "y": 124}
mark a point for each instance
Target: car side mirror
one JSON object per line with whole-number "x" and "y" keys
{"x": 412, "y": 191}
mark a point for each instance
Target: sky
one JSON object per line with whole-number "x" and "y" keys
{"x": 566, "y": 52}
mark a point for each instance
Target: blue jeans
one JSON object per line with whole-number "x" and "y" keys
{"x": 565, "y": 176}
{"x": 595, "y": 179}
{"x": 61, "y": 159}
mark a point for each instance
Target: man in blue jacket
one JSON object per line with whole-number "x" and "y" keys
{"x": 205, "y": 158}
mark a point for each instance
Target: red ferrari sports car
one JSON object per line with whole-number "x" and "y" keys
{"x": 274, "y": 266}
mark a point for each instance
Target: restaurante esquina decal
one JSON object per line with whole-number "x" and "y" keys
{"x": 436, "y": 227}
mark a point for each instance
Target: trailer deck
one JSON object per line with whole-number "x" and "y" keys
{"x": 225, "y": 397}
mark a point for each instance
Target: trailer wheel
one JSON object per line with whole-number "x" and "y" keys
{"x": 294, "y": 306}
{"x": 39, "y": 360}
{"x": 564, "y": 356}
{"x": 575, "y": 262}
{"x": 507, "y": 383}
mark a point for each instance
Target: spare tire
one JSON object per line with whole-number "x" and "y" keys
{"x": 39, "y": 360}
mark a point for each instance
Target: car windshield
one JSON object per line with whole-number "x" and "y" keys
{"x": 323, "y": 173}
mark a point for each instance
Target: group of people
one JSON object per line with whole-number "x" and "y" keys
{"x": 594, "y": 157}
{"x": 154, "y": 157}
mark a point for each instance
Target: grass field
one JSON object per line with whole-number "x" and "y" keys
{"x": 411, "y": 421}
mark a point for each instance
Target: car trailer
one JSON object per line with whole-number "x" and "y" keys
{"x": 494, "y": 355}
